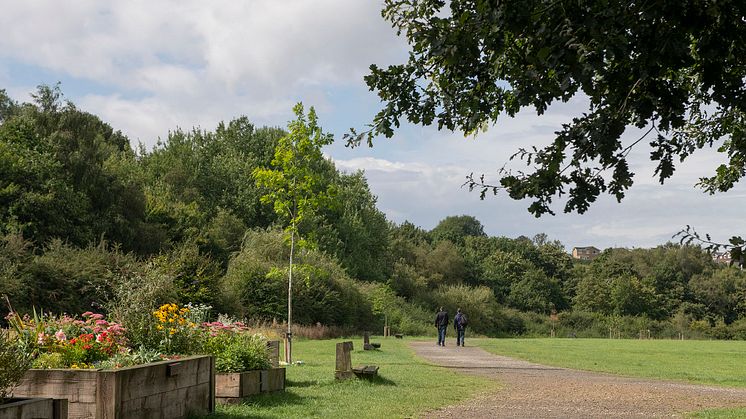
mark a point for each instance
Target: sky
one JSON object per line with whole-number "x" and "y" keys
{"x": 148, "y": 67}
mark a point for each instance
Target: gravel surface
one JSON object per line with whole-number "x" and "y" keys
{"x": 538, "y": 391}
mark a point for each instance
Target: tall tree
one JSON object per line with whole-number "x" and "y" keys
{"x": 66, "y": 174}
{"x": 295, "y": 185}
{"x": 457, "y": 228}
{"x": 674, "y": 69}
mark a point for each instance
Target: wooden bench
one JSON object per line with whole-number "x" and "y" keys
{"x": 365, "y": 371}
{"x": 367, "y": 345}
{"x": 399, "y": 335}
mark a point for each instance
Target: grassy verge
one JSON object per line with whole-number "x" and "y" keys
{"x": 736, "y": 413}
{"x": 720, "y": 363}
{"x": 405, "y": 387}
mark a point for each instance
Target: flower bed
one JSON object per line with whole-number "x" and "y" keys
{"x": 91, "y": 362}
{"x": 165, "y": 389}
{"x": 66, "y": 342}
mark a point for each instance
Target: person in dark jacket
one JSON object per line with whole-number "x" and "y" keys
{"x": 441, "y": 322}
{"x": 459, "y": 323}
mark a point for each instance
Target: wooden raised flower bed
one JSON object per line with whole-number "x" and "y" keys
{"x": 233, "y": 387}
{"x": 273, "y": 379}
{"x": 33, "y": 408}
{"x": 165, "y": 389}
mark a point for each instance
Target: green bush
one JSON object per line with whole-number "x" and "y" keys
{"x": 136, "y": 295}
{"x": 237, "y": 352}
{"x": 478, "y": 303}
{"x": 256, "y": 285}
{"x": 738, "y": 329}
{"x": 62, "y": 278}
{"x": 582, "y": 324}
{"x": 509, "y": 322}
{"x": 402, "y": 315}
{"x": 13, "y": 363}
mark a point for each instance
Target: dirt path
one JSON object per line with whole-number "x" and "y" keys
{"x": 537, "y": 391}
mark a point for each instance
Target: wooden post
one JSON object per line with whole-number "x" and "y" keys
{"x": 366, "y": 341}
{"x": 344, "y": 361}
{"x": 273, "y": 346}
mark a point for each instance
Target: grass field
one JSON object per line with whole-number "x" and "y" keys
{"x": 720, "y": 414}
{"x": 406, "y": 386}
{"x": 720, "y": 363}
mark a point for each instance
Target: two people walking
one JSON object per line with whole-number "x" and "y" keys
{"x": 459, "y": 323}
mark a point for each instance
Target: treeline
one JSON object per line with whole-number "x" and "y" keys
{"x": 88, "y": 222}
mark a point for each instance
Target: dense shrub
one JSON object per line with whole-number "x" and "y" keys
{"x": 582, "y": 324}
{"x": 136, "y": 295}
{"x": 402, "y": 316}
{"x": 478, "y": 303}
{"x": 14, "y": 362}
{"x": 509, "y": 322}
{"x": 63, "y": 278}
{"x": 256, "y": 284}
{"x": 236, "y": 352}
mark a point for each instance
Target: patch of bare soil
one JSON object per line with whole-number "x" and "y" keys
{"x": 538, "y": 391}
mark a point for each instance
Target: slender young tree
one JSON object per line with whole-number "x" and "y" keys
{"x": 296, "y": 185}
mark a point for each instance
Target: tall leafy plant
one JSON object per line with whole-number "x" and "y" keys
{"x": 296, "y": 186}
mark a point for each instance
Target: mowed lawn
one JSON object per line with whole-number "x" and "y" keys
{"x": 720, "y": 363}
{"x": 406, "y": 385}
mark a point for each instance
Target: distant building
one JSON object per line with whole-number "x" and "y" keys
{"x": 585, "y": 253}
{"x": 721, "y": 257}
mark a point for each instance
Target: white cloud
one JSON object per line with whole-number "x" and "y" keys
{"x": 199, "y": 62}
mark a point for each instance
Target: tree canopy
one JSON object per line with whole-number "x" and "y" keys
{"x": 673, "y": 69}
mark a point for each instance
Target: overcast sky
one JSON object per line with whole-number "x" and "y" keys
{"x": 147, "y": 67}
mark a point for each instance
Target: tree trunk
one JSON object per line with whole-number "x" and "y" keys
{"x": 289, "y": 336}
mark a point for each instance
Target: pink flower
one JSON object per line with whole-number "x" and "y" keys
{"x": 97, "y": 316}
{"x": 102, "y": 323}
{"x": 40, "y": 338}
{"x": 115, "y": 328}
{"x": 60, "y": 336}
{"x": 97, "y": 329}
{"x": 87, "y": 314}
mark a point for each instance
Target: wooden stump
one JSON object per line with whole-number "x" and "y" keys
{"x": 273, "y": 346}
{"x": 344, "y": 361}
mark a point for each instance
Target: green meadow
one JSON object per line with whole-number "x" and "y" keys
{"x": 406, "y": 385}
{"x": 720, "y": 363}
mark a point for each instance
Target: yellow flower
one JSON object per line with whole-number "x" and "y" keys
{"x": 159, "y": 327}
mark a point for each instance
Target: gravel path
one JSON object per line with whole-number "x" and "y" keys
{"x": 538, "y": 391}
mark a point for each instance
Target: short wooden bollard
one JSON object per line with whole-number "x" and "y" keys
{"x": 344, "y": 361}
{"x": 366, "y": 342}
{"x": 273, "y": 347}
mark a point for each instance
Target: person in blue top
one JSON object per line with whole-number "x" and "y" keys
{"x": 459, "y": 323}
{"x": 441, "y": 322}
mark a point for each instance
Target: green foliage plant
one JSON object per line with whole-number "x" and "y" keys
{"x": 136, "y": 295}
{"x": 14, "y": 362}
{"x": 295, "y": 185}
{"x": 236, "y": 351}
{"x": 471, "y": 63}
